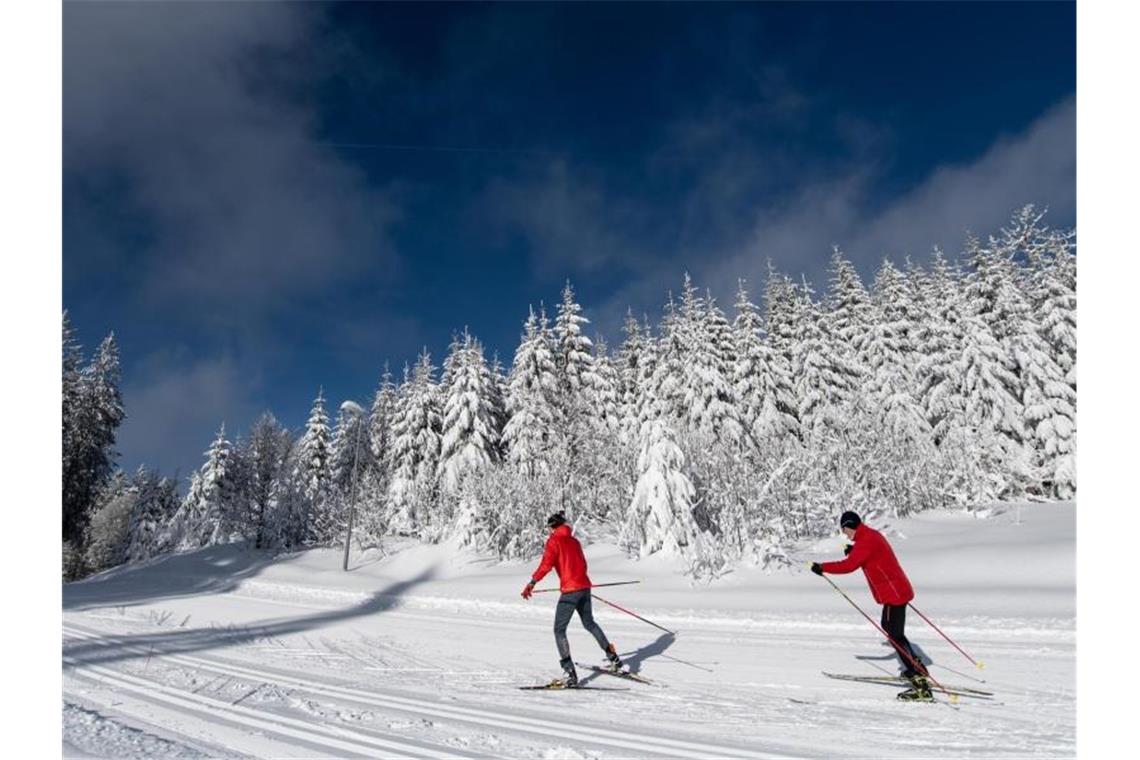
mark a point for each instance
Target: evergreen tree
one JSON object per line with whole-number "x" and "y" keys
{"x": 93, "y": 412}
{"x": 415, "y": 451}
{"x": 941, "y": 336}
{"x": 889, "y": 353}
{"x": 380, "y": 424}
{"x": 1056, "y": 311}
{"x": 470, "y": 438}
{"x": 631, "y": 359}
{"x": 204, "y": 518}
{"x": 76, "y": 488}
{"x": 350, "y": 456}
{"x": 156, "y": 507}
{"x": 826, "y": 377}
{"x": 109, "y": 532}
{"x": 660, "y": 517}
{"x": 311, "y": 472}
{"x": 266, "y": 457}
{"x": 607, "y": 395}
{"x": 531, "y": 400}
{"x": 708, "y": 393}
{"x": 761, "y": 381}
{"x": 577, "y": 423}
{"x": 500, "y": 387}
{"x": 781, "y": 308}
{"x": 850, "y": 309}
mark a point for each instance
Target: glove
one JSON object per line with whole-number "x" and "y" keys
{"x": 528, "y": 589}
{"x": 817, "y": 568}
{"x": 847, "y": 549}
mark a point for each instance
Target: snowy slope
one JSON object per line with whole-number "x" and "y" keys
{"x": 418, "y": 653}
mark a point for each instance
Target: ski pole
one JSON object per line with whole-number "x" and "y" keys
{"x": 978, "y": 665}
{"x": 634, "y": 614}
{"x": 596, "y": 585}
{"x": 895, "y": 644}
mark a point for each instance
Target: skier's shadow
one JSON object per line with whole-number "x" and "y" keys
{"x": 892, "y": 656}
{"x": 634, "y": 659}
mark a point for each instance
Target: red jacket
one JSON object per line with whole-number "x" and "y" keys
{"x": 888, "y": 582}
{"x": 564, "y": 554}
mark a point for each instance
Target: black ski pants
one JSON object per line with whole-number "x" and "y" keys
{"x": 567, "y": 604}
{"x": 894, "y": 623}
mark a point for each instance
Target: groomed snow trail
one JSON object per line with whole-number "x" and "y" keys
{"x": 418, "y": 655}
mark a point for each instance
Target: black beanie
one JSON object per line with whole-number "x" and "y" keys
{"x": 556, "y": 519}
{"x": 850, "y": 520}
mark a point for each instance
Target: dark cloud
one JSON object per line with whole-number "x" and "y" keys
{"x": 192, "y": 114}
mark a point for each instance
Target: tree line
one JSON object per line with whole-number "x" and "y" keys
{"x": 717, "y": 440}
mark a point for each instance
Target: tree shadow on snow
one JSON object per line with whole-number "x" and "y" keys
{"x": 106, "y": 649}
{"x": 214, "y": 570}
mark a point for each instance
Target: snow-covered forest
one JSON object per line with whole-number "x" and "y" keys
{"x": 720, "y": 434}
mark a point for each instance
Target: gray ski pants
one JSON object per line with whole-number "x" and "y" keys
{"x": 567, "y": 604}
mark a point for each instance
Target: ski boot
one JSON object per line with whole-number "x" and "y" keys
{"x": 616, "y": 664}
{"x": 571, "y": 679}
{"x": 919, "y": 690}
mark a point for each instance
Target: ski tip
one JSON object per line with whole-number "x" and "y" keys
{"x": 981, "y": 666}
{"x": 953, "y": 699}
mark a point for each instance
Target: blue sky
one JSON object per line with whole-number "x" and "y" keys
{"x": 261, "y": 199}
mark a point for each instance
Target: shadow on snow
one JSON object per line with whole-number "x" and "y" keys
{"x": 232, "y": 567}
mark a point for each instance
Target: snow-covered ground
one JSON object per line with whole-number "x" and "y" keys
{"x": 417, "y": 654}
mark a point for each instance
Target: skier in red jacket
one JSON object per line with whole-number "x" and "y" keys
{"x": 564, "y": 555}
{"x": 889, "y": 586}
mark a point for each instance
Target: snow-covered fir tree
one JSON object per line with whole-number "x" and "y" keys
{"x": 92, "y": 412}
{"x": 888, "y": 354}
{"x": 632, "y": 357}
{"x": 607, "y": 394}
{"x": 826, "y": 375}
{"x": 380, "y": 420}
{"x": 762, "y": 381}
{"x": 577, "y": 423}
{"x": 415, "y": 451}
{"x": 708, "y": 383}
{"x": 470, "y": 436}
{"x": 940, "y": 336}
{"x": 350, "y": 456}
{"x": 205, "y": 517}
{"x": 850, "y": 309}
{"x": 108, "y": 533}
{"x": 157, "y": 504}
{"x": 266, "y": 456}
{"x": 660, "y": 516}
{"x": 532, "y": 411}
{"x": 311, "y": 471}
{"x": 500, "y": 387}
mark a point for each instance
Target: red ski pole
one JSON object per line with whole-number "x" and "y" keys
{"x": 977, "y": 664}
{"x": 634, "y": 614}
{"x": 902, "y": 652}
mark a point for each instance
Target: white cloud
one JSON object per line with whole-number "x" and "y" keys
{"x": 176, "y": 404}
{"x": 1037, "y": 166}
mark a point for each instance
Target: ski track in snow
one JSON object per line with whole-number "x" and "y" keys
{"x": 230, "y": 674}
{"x": 622, "y": 740}
{"x": 738, "y": 708}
